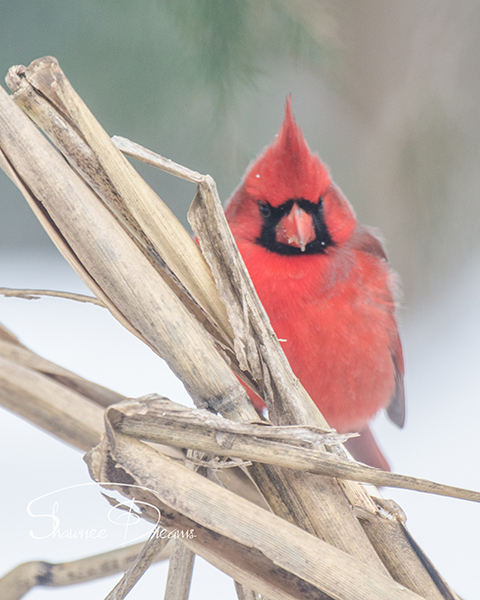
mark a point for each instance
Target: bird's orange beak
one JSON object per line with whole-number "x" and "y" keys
{"x": 296, "y": 229}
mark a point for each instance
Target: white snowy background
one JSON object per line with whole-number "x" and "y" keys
{"x": 394, "y": 112}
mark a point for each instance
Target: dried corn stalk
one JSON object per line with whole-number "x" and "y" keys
{"x": 28, "y": 575}
{"x": 123, "y": 242}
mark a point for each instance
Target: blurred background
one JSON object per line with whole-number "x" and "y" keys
{"x": 387, "y": 94}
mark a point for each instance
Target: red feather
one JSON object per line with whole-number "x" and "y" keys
{"x": 329, "y": 295}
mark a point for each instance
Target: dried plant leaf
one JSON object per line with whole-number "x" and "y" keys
{"x": 24, "y": 357}
{"x": 146, "y": 557}
{"x": 285, "y": 546}
{"x": 160, "y": 413}
{"x": 51, "y": 405}
{"x": 36, "y": 294}
{"x": 46, "y": 95}
{"x": 17, "y": 582}
{"x": 7, "y": 335}
{"x": 244, "y": 593}
{"x": 401, "y": 554}
{"x": 180, "y": 572}
{"x": 112, "y": 265}
{"x": 157, "y": 419}
{"x": 245, "y": 312}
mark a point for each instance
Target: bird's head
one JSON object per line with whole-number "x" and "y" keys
{"x": 287, "y": 202}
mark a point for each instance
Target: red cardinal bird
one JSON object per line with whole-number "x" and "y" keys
{"x": 326, "y": 285}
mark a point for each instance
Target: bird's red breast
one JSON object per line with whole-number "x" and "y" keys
{"x": 324, "y": 281}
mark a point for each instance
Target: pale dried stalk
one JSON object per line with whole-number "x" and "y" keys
{"x": 8, "y": 336}
{"x": 112, "y": 265}
{"x": 391, "y": 525}
{"x": 50, "y": 396}
{"x": 61, "y": 113}
{"x": 29, "y": 294}
{"x": 11, "y": 349}
{"x": 52, "y": 399}
{"x": 48, "y": 403}
{"x": 256, "y": 344}
{"x": 165, "y": 417}
{"x": 157, "y": 419}
{"x": 147, "y": 556}
{"x": 245, "y": 594}
{"x": 16, "y": 583}
{"x": 234, "y": 285}
{"x": 35, "y": 396}
{"x": 41, "y": 392}
{"x": 22, "y": 357}
{"x": 217, "y": 556}
{"x": 180, "y": 567}
{"x": 284, "y": 547}
{"x": 27, "y": 388}
{"x": 399, "y": 550}
{"x": 15, "y": 352}
{"x": 180, "y": 572}
{"x": 243, "y": 564}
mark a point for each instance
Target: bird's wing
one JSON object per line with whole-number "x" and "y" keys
{"x": 366, "y": 241}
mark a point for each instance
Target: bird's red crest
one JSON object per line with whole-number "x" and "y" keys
{"x": 287, "y": 168}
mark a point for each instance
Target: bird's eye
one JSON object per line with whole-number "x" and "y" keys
{"x": 265, "y": 209}
{"x": 319, "y": 205}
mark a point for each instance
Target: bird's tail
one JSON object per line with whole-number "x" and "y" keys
{"x": 365, "y": 449}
